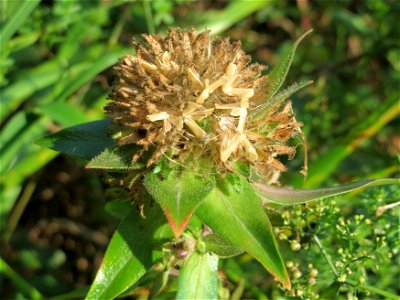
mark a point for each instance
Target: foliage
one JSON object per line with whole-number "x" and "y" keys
{"x": 54, "y": 73}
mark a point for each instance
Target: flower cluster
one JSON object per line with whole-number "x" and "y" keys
{"x": 189, "y": 94}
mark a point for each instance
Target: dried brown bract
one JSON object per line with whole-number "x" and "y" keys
{"x": 190, "y": 94}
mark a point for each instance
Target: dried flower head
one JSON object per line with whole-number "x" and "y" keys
{"x": 192, "y": 94}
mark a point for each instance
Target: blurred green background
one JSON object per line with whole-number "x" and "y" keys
{"x": 56, "y": 71}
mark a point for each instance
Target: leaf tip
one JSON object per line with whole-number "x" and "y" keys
{"x": 177, "y": 229}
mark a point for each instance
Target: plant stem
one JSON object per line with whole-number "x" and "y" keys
{"x": 352, "y": 282}
{"x": 19, "y": 210}
{"x": 325, "y": 255}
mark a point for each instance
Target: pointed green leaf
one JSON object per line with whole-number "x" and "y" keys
{"x": 179, "y": 194}
{"x": 289, "y": 196}
{"x": 278, "y": 99}
{"x": 130, "y": 253}
{"x": 118, "y": 158}
{"x": 279, "y": 73}
{"x": 198, "y": 278}
{"x": 220, "y": 246}
{"x": 234, "y": 211}
{"x": 84, "y": 140}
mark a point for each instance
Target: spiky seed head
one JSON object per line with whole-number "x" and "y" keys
{"x": 190, "y": 94}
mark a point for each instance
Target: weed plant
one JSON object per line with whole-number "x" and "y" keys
{"x": 59, "y": 222}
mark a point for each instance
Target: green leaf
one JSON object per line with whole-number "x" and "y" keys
{"x": 198, "y": 278}
{"x": 118, "y": 209}
{"x": 219, "y": 21}
{"x": 130, "y": 253}
{"x": 26, "y": 166}
{"x": 18, "y": 138}
{"x": 234, "y": 211}
{"x": 179, "y": 193}
{"x": 118, "y": 158}
{"x": 85, "y": 140}
{"x": 278, "y": 99}
{"x": 289, "y": 196}
{"x": 220, "y": 246}
{"x": 28, "y": 83}
{"x": 64, "y": 113}
{"x": 279, "y": 73}
{"x": 16, "y": 20}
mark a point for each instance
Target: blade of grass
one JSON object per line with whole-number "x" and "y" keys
{"x": 16, "y": 20}
{"x": 26, "y": 166}
{"x": 149, "y": 17}
{"x": 64, "y": 113}
{"x": 8, "y": 196}
{"x": 23, "y": 286}
{"x": 104, "y": 62}
{"x": 28, "y": 83}
{"x": 17, "y": 211}
{"x": 233, "y": 13}
{"x": 34, "y": 127}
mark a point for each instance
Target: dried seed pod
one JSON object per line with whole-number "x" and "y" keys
{"x": 192, "y": 93}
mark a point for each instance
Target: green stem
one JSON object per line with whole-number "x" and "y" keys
{"x": 352, "y": 282}
{"x": 325, "y": 255}
{"x": 19, "y": 210}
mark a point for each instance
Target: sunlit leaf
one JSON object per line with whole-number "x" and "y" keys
{"x": 16, "y": 20}
{"x": 64, "y": 113}
{"x": 288, "y": 196}
{"x": 219, "y": 21}
{"x": 234, "y": 211}
{"x": 130, "y": 253}
{"x": 179, "y": 194}
{"x": 198, "y": 278}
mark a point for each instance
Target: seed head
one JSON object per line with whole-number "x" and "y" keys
{"x": 189, "y": 94}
